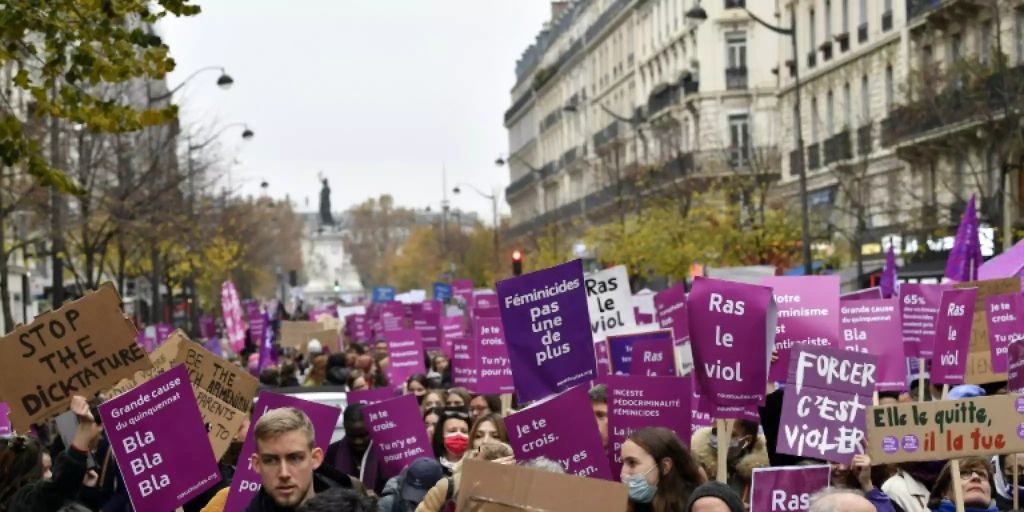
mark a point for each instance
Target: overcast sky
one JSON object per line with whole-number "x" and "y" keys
{"x": 376, "y": 94}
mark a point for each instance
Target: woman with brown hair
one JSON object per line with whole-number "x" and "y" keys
{"x": 659, "y": 471}
{"x": 488, "y": 429}
{"x": 975, "y": 485}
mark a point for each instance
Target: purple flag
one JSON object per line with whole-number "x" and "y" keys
{"x": 621, "y": 348}
{"x": 1015, "y": 367}
{"x": 163, "y": 331}
{"x": 888, "y": 283}
{"x": 808, "y": 309}
{"x": 405, "y": 355}
{"x": 398, "y": 433}
{"x": 207, "y": 326}
{"x": 873, "y": 327}
{"x": 158, "y": 439}
{"x": 371, "y": 396}
{"x": 965, "y": 257}
{"x": 562, "y": 429}
{"x": 547, "y": 328}
{"x": 636, "y": 402}
{"x": 920, "y": 311}
{"x": 1005, "y": 326}
{"x": 234, "y": 329}
{"x": 824, "y": 408}
{"x": 786, "y": 489}
{"x": 246, "y": 482}
{"x": 653, "y": 358}
{"x": 953, "y": 336}
{"x": 494, "y": 373}
{"x": 731, "y": 327}
{"x": 268, "y": 356}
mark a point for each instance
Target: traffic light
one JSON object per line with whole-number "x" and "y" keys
{"x": 517, "y": 263}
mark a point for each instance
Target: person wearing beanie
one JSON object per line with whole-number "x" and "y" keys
{"x": 714, "y": 497}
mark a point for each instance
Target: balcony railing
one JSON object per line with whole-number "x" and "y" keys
{"x": 862, "y": 33}
{"x": 521, "y": 184}
{"x": 549, "y": 120}
{"x": 826, "y": 51}
{"x": 739, "y": 156}
{"x": 864, "y": 139}
{"x": 690, "y": 86}
{"x": 735, "y": 4}
{"x": 916, "y": 8}
{"x": 812, "y": 58}
{"x": 844, "y": 41}
{"x": 735, "y": 78}
{"x": 662, "y": 98}
{"x": 796, "y": 162}
{"x": 813, "y": 156}
{"x": 520, "y": 102}
{"x": 607, "y": 134}
{"x": 886, "y": 21}
{"x": 568, "y": 157}
{"x": 838, "y": 147}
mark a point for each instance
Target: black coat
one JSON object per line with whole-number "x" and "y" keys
{"x": 50, "y": 495}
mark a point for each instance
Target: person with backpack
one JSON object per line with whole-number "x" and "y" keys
{"x": 441, "y": 498}
{"x": 406, "y": 491}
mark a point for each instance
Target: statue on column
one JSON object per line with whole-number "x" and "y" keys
{"x": 325, "y": 205}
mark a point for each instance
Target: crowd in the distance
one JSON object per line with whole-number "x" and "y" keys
{"x": 661, "y": 472}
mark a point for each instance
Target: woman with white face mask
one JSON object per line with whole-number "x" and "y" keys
{"x": 659, "y": 471}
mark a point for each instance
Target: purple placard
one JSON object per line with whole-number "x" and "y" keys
{"x": 231, "y": 308}
{"x": 953, "y": 336}
{"x": 462, "y": 289}
{"x": 642, "y": 318}
{"x": 5, "y": 422}
{"x": 464, "y": 363}
{"x": 636, "y": 402}
{"x": 428, "y": 324}
{"x": 144, "y": 340}
{"x": 1005, "y": 326}
{"x": 699, "y": 418}
{"x": 494, "y": 373}
{"x": 873, "y": 326}
{"x": 547, "y": 328}
{"x": 451, "y": 328}
{"x": 604, "y": 360}
{"x": 562, "y": 429}
{"x": 398, "y": 433}
{"x": 919, "y": 305}
{"x": 163, "y": 331}
{"x": 670, "y": 310}
{"x": 731, "y": 327}
{"x": 653, "y": 358}
{"x": 786, "y": 489}
{"x": 865, "y": 294}
{"x": 254, "y": 318}
{"x": 824, "y": 407}
{"x": 405, "y": 355}
{"x": 207, "y": 326}
{"x": 158, "y": 438}
{"x": 808, "y": 313}
{"x": 1015, "y": 367}
{"x": 620, "y": 348}
{"x": 246, "y": 482}
{"x": 371, "y": 396}
{"x": 213, "y": 345}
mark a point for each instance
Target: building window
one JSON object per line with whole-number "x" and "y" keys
{"x": 985, "y": 41}
{"x": 1019, "y": 34}
{"x": 889, "y": 88}
{"x": 847, "y": 107}
{"x": 863, "y": 12}
{"x": 845, "y": 20}
{"x": 796, "y": 123}
{"x": 814, "y": 120}
{"x": 828, "y": 20}
{"x": 739, "y": 139}
{"x": 736, "y": 61}
{"x": 812, "y": 23}
{"x": 830, "y": 115}
{"x": 865, "y": 100}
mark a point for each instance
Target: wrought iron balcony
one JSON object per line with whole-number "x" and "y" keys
{"x": 796, "y": 162}
{"x": 862, "y": 32}
{"x": 736, "y": 78}
{"x": 864, "y": 139}
{"x": 735, "y": 4}
{"x": 813, "y": 156}
{"x": 838, "y": 147}
{"x": 886, "y": 21}
{"x": 812, "y": 58}
{"x": 607, "y": 134}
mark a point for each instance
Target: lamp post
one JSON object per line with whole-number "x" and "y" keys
{"x": 699, "y": 14}
{"x": 224, "y": 81}
{"x": 493, "y": 197}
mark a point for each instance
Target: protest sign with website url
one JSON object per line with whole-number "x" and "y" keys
{"x": 873, "y": 327}
{"x": 947, "y": 429}
{"x": 153, "y": 432}
{"x": 561, "y": 428}
{"x": 371, "y": 396}
{"x": 953, "y": 336}
{"x": 732, "y": 326}
{"x": 82, "y": 348}
{"x": 621, "y": 348}
{"x": 653, "y": 358}
{"x": 979, "y": 358}
{"x": 428, "y": 324}
{"x": 405, "y": 355}
{"x": 825, "y": 403}
{"x": 1015, "y": 367}
{"x": 1005, "y": 317}
{"x": 464, "y": 362}
{"x": 609, "y": 302}
{"x": 808, "y": 314}
{"x": 246, "y": 482}
{"x": 494, "y": 373}
{"x": 787, "y": 488}
{"x": 919, "y": 311}
{"x": 636, "y": 402}
{"x": 670, "y": 313}
{"x": 547, "y": 330}
{"x": 398, "y": 433}
{"x": 485, "y": 304}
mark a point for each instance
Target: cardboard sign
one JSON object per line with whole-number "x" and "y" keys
{"x": 865, "y": 294}
{"x": 873, "y": 327}
{"x": 464, "y": 362}
{"x": 494, "y": 372}
{"x": 1005, "y": 325}
{"x": 247, "y": 482}
{"x": 371, "y": 396}
{"x": 953, "y": 336}
{"x": 489, "y": 487}
{"x": 405, "y": 355}
{"x": 398, "y": 433}
{"x": 1015, "y": 367}
{"x": 979, "y": 361}
{"x": 383, "y": 294}
{"x": 153, "y": 431}
{"x": 919, "y": 311}
{"x": 946, "y": 429}
{"x": 297, "y": 333}
{"x": 609, "y": 302}
{"x": 82, "y": 348}
{"x": 808, "y": 314}
{"x": 562, "y": 429}
{"x": 653, "y": 358}
{"x": 827, "y": 395}
{"x": 732, "y": 326}
{"x": 620, "y": 347}
{"x": 231, "y": 307}
{"x": 547, "y": 329}
{"x": 636, "y": 402}
{"x": 787, "y": 489}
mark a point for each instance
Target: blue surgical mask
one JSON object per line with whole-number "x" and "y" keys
{"x": 640, "y": 490}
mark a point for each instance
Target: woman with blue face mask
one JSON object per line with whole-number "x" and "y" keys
{"x": 659, "y": 471}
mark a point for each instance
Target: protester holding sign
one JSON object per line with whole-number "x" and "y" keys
{"x": 352, "y": 455}
{"x": 441, "y": 498}
{"x": 659, "y": 471}
{"x": 975, "y": 485}
{"x": 451, "y": 438}
{"x": 488, "y": 429}
{"x": 745, "y": 452}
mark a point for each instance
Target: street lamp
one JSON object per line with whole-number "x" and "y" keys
{"x": 699, "y": 14}
{"x": 247, "y": 135}
{"x": 224, "y": 81}
{"x": 493, "y": 197}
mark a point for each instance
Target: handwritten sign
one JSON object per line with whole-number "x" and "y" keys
{"x": 398, "y": 433}
{"x": 609, "y": 302}
{"x": 824, "y": 406}
{"x": 82, "y": 348}
{"x": 153, "y": 431}
{"x": 952, "y": 340}
{"x": 946, "y": 429}
{"x": 808, "y": 314}
{"x": 786, "y": 489}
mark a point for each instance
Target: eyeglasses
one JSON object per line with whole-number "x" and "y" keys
{"x": 966, "y": 475}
